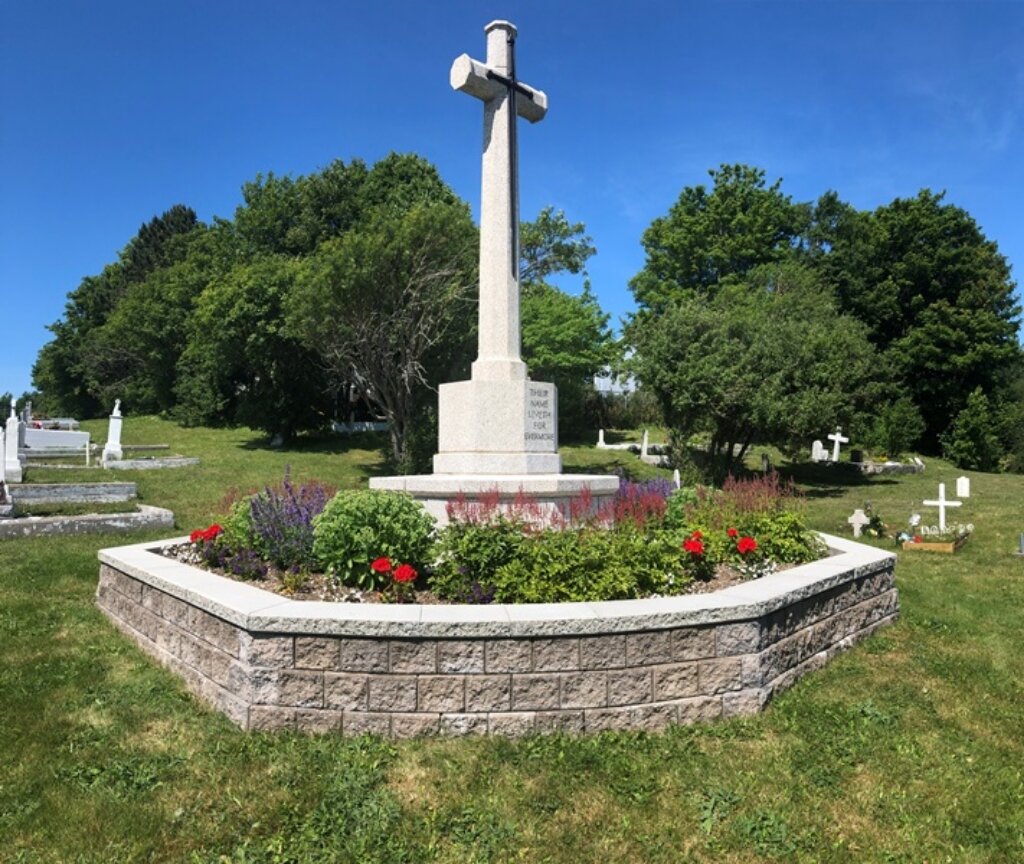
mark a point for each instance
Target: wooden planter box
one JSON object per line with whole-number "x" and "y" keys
{"x": 946, "y": 548}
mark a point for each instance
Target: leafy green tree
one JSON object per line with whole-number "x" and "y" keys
{"x": 897, "y": 426}
{"x": 389, "y": 305}
{"x": 565, "y": 337}
{"x": 709, "y": 237}
{"x": 241, "y": 366}
{"x": 769, "y": 361}
{"x": 62, "y": 368}
{"x": 935, "y": 294}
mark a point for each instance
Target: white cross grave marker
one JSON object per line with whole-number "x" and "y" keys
{"x": 837, "y": 438}
{"x": 942, "y": 504}
{"x": 858, "y": 520}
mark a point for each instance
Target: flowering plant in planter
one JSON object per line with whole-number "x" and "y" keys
{"x": 400, "y": 589}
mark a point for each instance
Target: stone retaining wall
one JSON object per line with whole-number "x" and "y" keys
{"x": 411, "y": 670}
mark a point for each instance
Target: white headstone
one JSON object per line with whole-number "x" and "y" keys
{"x": 112, "y": 449}
{"x": 818, "y": 452}
{"x": 644, "y": 445}
{"x": 963, "y": 487}
{"x": 676, "y": 479}
{"x": 837, "y": 438}
{"x": 12, "y": 466}
{"x": 600, "y": 438}
{"x": 942, "y": 504}
{"x": 858, "y": 520}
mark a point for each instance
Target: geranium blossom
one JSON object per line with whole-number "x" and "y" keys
{"x": 404, "y": 573}
{"x": 206, "y": 534}
{"x": 732, "y": 532}
{"x": 381, "y": 565}
{"x": 695, "y": 546}
{"x": 745, "y": 545}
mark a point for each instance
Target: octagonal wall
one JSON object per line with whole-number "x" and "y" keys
{"x": 272, "y": 663}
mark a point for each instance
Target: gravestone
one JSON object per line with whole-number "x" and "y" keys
{"x": 498, "y": 431}
{"x": 12, "y": 462}
{"x": 600, "y": 438}
{"x": 963, "y": 487}
{"x": 942, "y": 504}
{"x": 859, "y": 520}
{"x": 837, "y": 438}
{"x": 676, "y": 480}
{"x": 818, "y": 452}
{"x": 112, "y": 449}
{"x": 644, "y": 444}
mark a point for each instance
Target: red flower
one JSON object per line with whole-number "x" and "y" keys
{"x": 694, "y": 546}
{"x": 745, "y": 545}
{"x": 206, "y": 534}
{"x": 404, "y": 573}
{"x": 381, "y": 565}
{"x": 732, "y": 532}
{"x": 917, "y": 538}
{"x": 696, "y": 535}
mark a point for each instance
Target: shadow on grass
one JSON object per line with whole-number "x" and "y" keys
{"x": 323, "y": 443}
{"x": 829, "y": 481}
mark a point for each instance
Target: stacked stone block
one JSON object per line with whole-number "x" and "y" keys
{"x": 645, "y": 679}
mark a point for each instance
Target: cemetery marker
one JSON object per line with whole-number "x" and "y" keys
{"x": 858, "y": 520}
{"x": 837, "y": 439}
{"x": 942, "y": 504}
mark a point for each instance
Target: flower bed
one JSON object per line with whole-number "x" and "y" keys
{"x": 382, "y": 546}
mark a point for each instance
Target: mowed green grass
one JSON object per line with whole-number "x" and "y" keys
{"x": 908, "y": 748}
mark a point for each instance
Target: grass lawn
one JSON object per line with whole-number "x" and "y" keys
{"x": 909, "y": 748}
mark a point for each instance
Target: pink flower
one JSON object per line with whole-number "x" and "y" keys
{"x": 381, "y": 565}
{"x": 404, "y": 573}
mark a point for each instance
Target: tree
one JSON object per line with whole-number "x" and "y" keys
{"x": 935, "y": 294}
{"x": 551, "y": 245}
{"x": 768, "y": 361}
{"x": 710, "y": 237}
{"x": 240, "y": 365}
{"x": 62, "y": 369}
{"x": 380, "y": 303}
{"x": 971, "y": 440}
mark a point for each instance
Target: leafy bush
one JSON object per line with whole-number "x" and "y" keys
{"x": 356, "y": 528}
{"x": 469, "y": 553}
{"x": 590, "y": 564}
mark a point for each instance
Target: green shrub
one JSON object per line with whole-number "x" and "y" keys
{"x": 356, "y": 528}
{"x": 591, "y": 564}
{"x": 237, "y": 531}
{"x": 470, "y": 553}
{"x": 897, "y": 427}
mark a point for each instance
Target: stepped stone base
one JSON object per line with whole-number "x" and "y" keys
{"x": 403, "y": 670}
{"x": 552, "y": 492}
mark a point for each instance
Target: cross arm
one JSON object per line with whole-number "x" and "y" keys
{"x": 473, "y": 77}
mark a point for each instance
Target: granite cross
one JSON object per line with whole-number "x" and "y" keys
{"x": 505, "y": 98}
{"x": 942, "y": 504}
{"x": 837, "y": 439}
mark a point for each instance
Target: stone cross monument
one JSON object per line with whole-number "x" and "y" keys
{"x": 499, "y": 421}
{"x": 498, "y": 431}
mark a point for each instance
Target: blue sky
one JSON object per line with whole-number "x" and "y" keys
{"x": 111, "y": 112}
